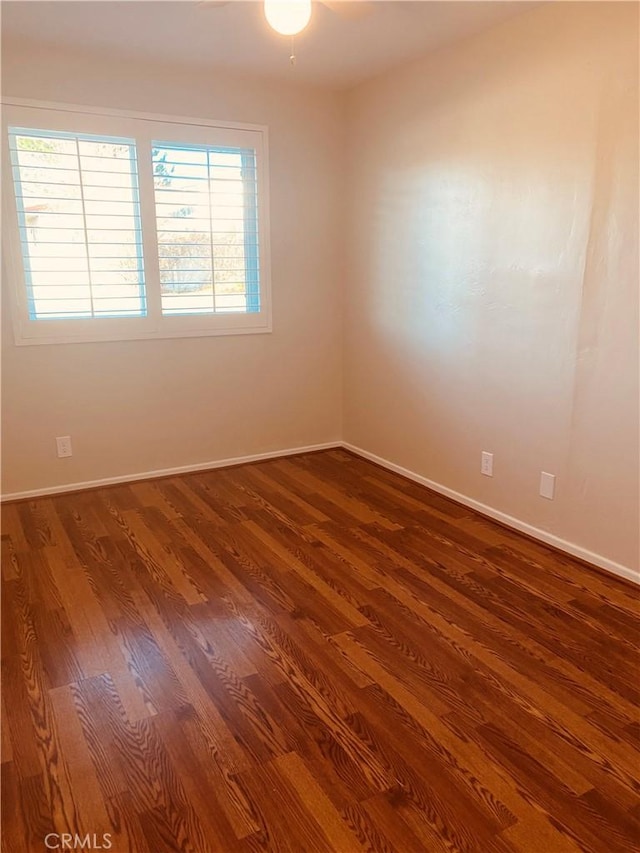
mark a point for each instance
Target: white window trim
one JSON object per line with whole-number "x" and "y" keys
{"x": 29, "y": 113}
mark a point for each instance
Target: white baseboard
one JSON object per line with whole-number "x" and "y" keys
{"x": 535, "y": 532}
{"x": 165, "y": 472}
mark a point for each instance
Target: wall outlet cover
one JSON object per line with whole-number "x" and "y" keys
{"x": 547, "y": 485}
{"x": 486, "y": 465}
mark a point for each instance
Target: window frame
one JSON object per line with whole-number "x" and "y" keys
{"x": 144, "y": 128}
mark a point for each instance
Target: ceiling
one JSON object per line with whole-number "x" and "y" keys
{"x": 335, "y": 50}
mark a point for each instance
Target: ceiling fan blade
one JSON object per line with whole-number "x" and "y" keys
{"x": 350, "y": 10}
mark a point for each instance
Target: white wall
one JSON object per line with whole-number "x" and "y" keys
{"x": 137, "y": 406}
{"x": 492, "y": 298}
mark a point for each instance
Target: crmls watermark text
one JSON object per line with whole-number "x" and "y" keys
{"x": 67, "y": 841}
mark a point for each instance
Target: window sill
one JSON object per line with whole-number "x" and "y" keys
{"x": 37, "y": 334}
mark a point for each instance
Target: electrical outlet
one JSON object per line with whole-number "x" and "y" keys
{"x": 547, "y": 485}
{"x": 486, "y": 466}
{"x": 63, "y": 443}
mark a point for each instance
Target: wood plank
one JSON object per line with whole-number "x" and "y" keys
{"x": 310, "y": 653}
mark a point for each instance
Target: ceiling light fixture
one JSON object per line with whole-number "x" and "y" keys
{"x": 287, "y": 17}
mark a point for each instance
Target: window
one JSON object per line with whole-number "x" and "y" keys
{"x": 206, "y": 218}
{"x": 123, "y": 226}
{"x": 79, "y": 219}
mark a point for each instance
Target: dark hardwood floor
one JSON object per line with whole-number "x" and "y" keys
{"x": 309, "y": 654}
